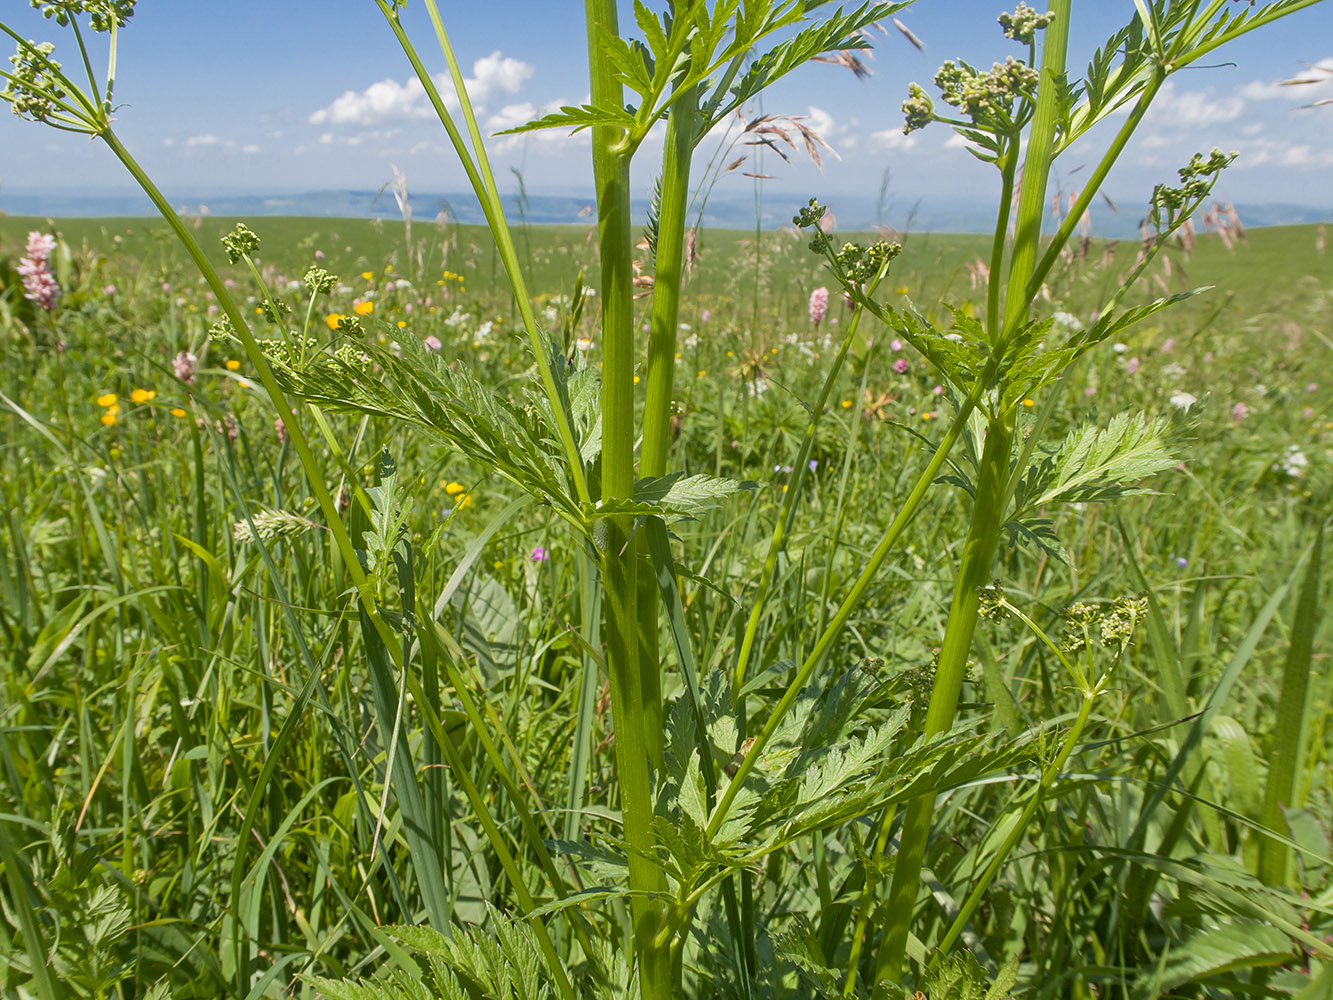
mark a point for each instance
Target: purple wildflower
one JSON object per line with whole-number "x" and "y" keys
{"x": 818, "y": 305}
{"x": 1132, "y": 365}
{"x": 433, "y": 343}
{"x": 39, "y": 284}
{"x": 902, "y": 366}
{"x": 540, "y": 555}
{"x": 1239, "y": 412}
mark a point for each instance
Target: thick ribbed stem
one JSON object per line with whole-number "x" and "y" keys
{"x": 610, "y": 157}
{"x": 983, "y": 534}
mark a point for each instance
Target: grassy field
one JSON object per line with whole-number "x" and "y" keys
{"x": 194, "y": 762}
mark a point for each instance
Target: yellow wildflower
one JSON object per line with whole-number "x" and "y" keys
{"x": 846, "y": 404}
{"x": 453, "y": 489}
{"x": 142, "y": 395}
{"x": 462, "y": 500}
{"x": 233, "y": 365}
{"x": 368, "y": 275}
{"x": 333, "y": 319}
{"x": 176, "y": 411}
{"x": 108, "y": 418}
{"x": 1029, "y": 402}
{"x": 364, "y": 308}
{"x": 109, "y": 399}
{"x": 402, "y": 324}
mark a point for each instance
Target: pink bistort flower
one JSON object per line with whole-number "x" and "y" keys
{"x": 902, "y": 366}
{"x": 818, "y": 305}
{"x": 432, "y": 343}
{"x": 39, "y": 284}
{"x": 184, "y": 366}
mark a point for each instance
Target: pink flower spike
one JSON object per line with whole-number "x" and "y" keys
{"x": 818, "y": 305}
{"x": 902, "y": 366}
{"x": 1239, "y": 412}
{"x": 895, "y": 344}
{"x": 1132, "y": 365}
{"x": 34, "y": 269}
{"x": 433, "y": 343}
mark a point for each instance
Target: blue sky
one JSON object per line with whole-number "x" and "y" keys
{"x": 298, "y": 95}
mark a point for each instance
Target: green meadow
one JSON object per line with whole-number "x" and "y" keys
{"x": 155, "y": 649}
{"x": 422, "y": 612}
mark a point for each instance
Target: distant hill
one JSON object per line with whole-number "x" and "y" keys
{"x": 731, "y": 211}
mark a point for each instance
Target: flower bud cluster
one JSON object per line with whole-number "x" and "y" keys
{"x": 240, "y": 242}
{"x": 810, "y": 215}
{"x": 34, "y": 85}
{"x": 1196, "y": 180}
{"x": 222, "y": 331}
{"x": 1024, "y": 23}
{"x": 918, "y": 109}
{"x": 319, "y": 281}
{"x": 986, "y": 97}
{"x": 861, "y": 263}
{"x": 275, "y": 310}
{"x": 1116, "y": 626}
{"x": 101, "y": 13}
{"x": 991, "y": 602}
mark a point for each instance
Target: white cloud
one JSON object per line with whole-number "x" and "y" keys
{"x": 250, "y": 149}
{"x": 893, "y": 139}
{"x": 1259, "y": 151}
{"x": 380, "y": 101}
{"x": 821, "y": 123}
{"x": 1193, "y": 108}
{"x": 389, "y": 100}
{"x": 208, "y": 142}
{"x": 1319, "y": 86}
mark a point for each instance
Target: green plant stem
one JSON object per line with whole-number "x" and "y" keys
{"x": 866, "y": 903}
{"x": 1037, "y": 166}
{"x": 668, "y": 275}
{"x": 1007, "y": 173}
{"x": 633, "y": 684}
{"x": 668, "y": 270}
{"x": 1048, "y": 776}
{"x": 983, "y": 535}
{"x": 1094, "y": 184}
